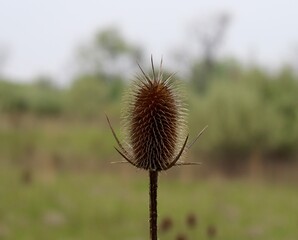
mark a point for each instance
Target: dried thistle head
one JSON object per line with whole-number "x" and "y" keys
{"x": 211, "y": 231}
{"x": 181, "y": 237}
{"x": 166, "y": 224}
{"x": 191, "y": 220}
{"x": 154, "y": 122}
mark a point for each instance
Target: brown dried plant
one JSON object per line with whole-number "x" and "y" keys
{"x": 191, "y": 220}
{"x": 155, "y": 127}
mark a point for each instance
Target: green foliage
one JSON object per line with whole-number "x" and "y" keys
{"x": 11, "y": 99}
{"x": 30, "y": 98}
{"x": 112, "y": 42}
{"x": 89, "y": 96}
{"x": 249, "y": 112}
{"x": 108, "y": 55}
{"x": 233, "y": 118}
{"x": 202, "y": 74}
{"x": 246, "y": 109}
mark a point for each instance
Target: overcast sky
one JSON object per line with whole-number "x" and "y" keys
{"x": 40, "y": 36}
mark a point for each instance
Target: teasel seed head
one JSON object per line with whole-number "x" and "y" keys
{"x": 154, "y": 122}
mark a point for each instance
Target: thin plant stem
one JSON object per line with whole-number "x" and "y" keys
{"x": 153, "y": 175}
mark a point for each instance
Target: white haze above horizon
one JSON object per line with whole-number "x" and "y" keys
{"x": 41, "y": 37}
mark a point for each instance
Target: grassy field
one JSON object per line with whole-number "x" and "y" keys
{"x": 114, "y": 205}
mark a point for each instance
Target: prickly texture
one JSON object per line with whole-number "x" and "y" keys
{"x": 154, "y": 121}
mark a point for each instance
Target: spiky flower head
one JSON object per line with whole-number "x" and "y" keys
{"x": 154, "y": 122}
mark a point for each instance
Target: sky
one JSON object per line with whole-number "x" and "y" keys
{"x": 40, "y": 37}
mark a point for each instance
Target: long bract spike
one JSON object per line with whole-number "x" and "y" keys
{"x": 125, "y": 157}
{"x": 160, "y": 70}
{"x": 115, "y": 136}
{"x": 197, "y": 137}
{"x": 179, "y": 154}
{"x": 187, "y": 163}
{"x": 169, "y": 78}
{"x": 153, "y": 70}
{"x": 145, "y": 75}
{"x": 118, "y": 162}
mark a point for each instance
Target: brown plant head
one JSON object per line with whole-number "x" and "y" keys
{"x": 181, "y": 237}
{"x": 211, "y": 231}
{"x": 166, "y": 224}
{"x": 154, "y": 122}
{"x": 191, "y": 220}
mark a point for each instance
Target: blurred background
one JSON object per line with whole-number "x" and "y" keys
{"x": 64, "y": 64}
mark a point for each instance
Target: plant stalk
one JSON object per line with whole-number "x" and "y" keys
{"x": 153, "y": 175}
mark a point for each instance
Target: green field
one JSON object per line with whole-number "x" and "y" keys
{"x": 114, "y": 205}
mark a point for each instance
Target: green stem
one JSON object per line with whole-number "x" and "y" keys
{"x": 153, "y": 204}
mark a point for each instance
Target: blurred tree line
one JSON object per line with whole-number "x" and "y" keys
{"x": 247, "y": 109}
